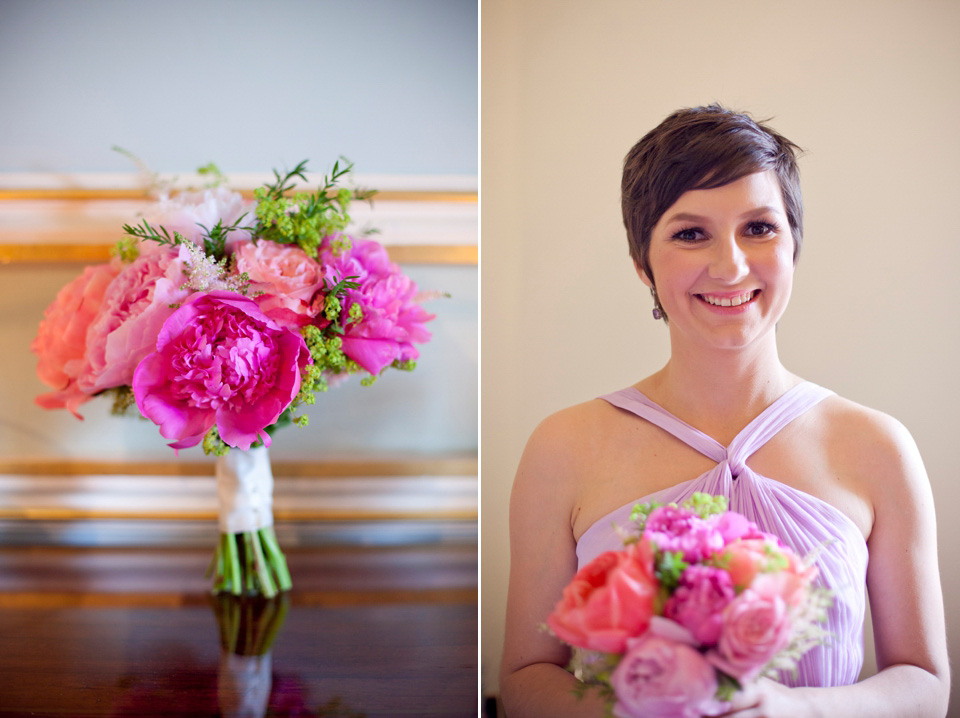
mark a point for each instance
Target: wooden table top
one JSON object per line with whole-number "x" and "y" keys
{"x": 364, "y": 632}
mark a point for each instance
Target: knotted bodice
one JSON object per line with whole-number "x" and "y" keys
{"x": 802, "y": 521}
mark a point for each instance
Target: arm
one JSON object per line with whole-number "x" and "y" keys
{"x": 533, "y": 679}
{"x": 903, "y": 580}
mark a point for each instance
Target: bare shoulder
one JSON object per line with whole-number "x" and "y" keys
{"x": 871, "y": 438}
{"x": 566, "y": 443}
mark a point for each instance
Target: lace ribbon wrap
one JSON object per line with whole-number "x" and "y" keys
{"x": 245, "y": 489}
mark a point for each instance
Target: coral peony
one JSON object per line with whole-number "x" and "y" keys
{"x": 609, "y": 600}
{"x": 392, "y": 320}
{"x": 135, "y": 306}
{"x": 219, "y": 360}
{"x": 61, "y": 342}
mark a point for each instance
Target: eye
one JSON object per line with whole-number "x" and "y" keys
{"x": 761, "y": 228}
{"x": 689, "y": 234}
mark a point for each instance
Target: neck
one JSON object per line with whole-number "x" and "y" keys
{"x": 720, "y": 390}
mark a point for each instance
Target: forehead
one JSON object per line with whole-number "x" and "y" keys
{"x": 747, "y": 194}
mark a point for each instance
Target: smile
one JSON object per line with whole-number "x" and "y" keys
{"x": 729, "y": 301}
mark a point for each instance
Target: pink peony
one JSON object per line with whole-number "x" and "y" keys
{"x": 286, "y": 276}
{"x": 662, "y": 676}
{"x": 135, "y": 306}
{"x": 676, "y": 529}
{"x": 609, "y": 600}
{"x": 392, "y": 320}
{"x": 61, "y": 342}
{"x": 757, "y": 625}
{"x": 185, "y": 212}
{"x": 732, "y": 526}
{"x": 698, "y": 601}
{"x": 219, "y": 360}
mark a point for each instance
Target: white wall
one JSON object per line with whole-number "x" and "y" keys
{"x": 872, "y": 91}
{"x": 248, "y": 84}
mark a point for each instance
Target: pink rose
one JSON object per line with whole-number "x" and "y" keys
{"x": 219, "y": 360}
{"x": 662, "y": 676}
{"x": 185, "y": 212}
{"x": 135, "y": 306}
{"x": 609, "y": 600}
{"x": 698, "y": 601}
{"x": 285, "y": 274}
{"x": 392, "y": 320}
{"x": 676, "y": 529}
{"x": 757, "y": 625}
{"x": 61, "y": 341}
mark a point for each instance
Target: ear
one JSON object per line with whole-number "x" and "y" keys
{"x": 643, "y": 275}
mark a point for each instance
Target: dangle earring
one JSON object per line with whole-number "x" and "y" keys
{"x": 657, "y": 311}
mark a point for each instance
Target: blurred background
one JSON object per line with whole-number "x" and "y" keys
{"x": 870, "y": 89}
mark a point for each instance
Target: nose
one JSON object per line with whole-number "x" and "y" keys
{"x": 729, "y": 261}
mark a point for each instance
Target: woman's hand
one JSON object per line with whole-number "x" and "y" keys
{"x": 768, "y": 699}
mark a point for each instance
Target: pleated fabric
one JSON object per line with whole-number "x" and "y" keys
{"x": 803, "y": 522}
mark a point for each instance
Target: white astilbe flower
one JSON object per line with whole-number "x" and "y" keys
{"x": 205, "y": 274}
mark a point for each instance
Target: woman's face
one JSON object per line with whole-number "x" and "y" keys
{"x": 722, "y": 260}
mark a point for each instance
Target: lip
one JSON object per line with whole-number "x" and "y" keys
{"x": 737, "y": 304}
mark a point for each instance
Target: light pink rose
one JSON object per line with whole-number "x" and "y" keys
{"x": 392, "y": 319}
{"x": 61, "y": 341}
{"x": 698, "y": 601}
{"x": 757, "y": 625}
{"x": 219, "y": 360}
{"x": 673, "y": 528}
{"x": 184, "y": 213}
{"x": 609, "y": 600}
{"x": 286, "y": 276}
{"x": 135, "y": 306}
{"x": 662, "y": 676}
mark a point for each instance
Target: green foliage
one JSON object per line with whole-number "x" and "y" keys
{"x": 306, "y": 218}
{"x": 127, "y": 249}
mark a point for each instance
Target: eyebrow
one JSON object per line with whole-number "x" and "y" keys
{"x": 689, "y": 217}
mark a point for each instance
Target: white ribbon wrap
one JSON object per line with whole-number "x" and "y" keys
{"x": 243, "y": 687}
{"x": 245, "y": 488}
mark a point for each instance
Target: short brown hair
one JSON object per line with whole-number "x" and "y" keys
{"x": 702, "y": 148}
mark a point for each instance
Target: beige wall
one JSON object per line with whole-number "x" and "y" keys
{"x": 872, "y": 91}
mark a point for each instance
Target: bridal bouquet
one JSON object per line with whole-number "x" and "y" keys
{"x": 219, "y": 317}
{"x": 698, "y": 604}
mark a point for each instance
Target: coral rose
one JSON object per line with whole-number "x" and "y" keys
{"x": 743, "y": 559}
{"x": 609, "y": 600}
{"x": 662, "y": 676}
{"x": 61, "y": 342}
{"x": 392, "y": 320}
{"x": 219, "y": 360}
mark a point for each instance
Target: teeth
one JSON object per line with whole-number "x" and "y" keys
{"x": 728, "y": 301}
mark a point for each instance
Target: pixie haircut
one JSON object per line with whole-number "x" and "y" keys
{"x": 702, "y": 148}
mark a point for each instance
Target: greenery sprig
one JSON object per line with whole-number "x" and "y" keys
{"x": 306, "y": 218}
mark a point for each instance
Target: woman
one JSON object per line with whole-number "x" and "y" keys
{"x": 713, "y": 211}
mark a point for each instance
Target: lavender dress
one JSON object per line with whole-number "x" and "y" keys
{"x": 802, "y": 521}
